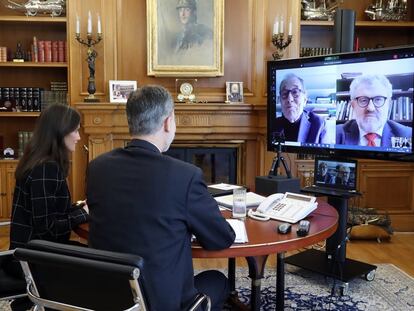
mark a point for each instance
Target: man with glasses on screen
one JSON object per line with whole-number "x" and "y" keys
{"x": 297, "y": 124}
{"x": 370, "y": 99}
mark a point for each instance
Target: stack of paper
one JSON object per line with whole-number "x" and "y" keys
{"x": 252, "y": 200}
{"x": 240, "y": 230}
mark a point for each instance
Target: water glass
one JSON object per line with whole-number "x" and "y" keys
{"x": 239, "y": 203}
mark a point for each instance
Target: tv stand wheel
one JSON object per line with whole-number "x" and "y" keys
{"x": 370, "y": 276}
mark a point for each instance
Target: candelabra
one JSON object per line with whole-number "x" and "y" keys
{"x": 280, "y": 43}
{"x": 92, "y": 54}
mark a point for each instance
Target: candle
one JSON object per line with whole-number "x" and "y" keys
{"x": 276, "y": 26}
{"x": 77, "y": 24}
{"x": 290, "y": 26}
{"x": 99, "y": 24}
{"x": 281, "y": 25}
{"x": 89, "y": 22}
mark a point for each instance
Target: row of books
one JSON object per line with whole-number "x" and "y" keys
{"x": 41, "y": 51}
{"x": 23, "y": 139}
{"x": 317, "y": 51}
{"x": 20, "y": 98}
{"x": 306, "y": 51}
{"x": 400, "y": 110}
{"x": 344, "y": 110}
{"x": 29, "y": 98}
{"x": 3, "y": 54}
{"x": 48, "y": 51}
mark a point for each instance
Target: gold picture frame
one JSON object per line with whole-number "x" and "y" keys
{"x": 174, "y": 48}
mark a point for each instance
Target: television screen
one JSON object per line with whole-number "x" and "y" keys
{"x": 357, "y": 104}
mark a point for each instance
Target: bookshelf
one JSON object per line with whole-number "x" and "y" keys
{"x": 318, "y": 36}
{"x": 17, "y": 28}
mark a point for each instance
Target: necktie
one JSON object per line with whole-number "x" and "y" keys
{"x": 371, "y": 139}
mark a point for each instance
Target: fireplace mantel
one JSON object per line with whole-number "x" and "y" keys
{"x": 106, "y": 127}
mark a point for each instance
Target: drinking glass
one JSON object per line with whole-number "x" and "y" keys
{"x": 239, "y": 203}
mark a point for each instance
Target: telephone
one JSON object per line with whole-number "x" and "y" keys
{"x": 289, "y": 207}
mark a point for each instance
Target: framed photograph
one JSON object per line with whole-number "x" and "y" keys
{"x": 119, "y": 90}
{"x": 234, "y": 92}
{"x": 185, "y": 38}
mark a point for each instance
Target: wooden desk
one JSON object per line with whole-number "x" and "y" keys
{"x": 263, "y": 241}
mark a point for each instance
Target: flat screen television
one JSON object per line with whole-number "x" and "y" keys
{"x": 357, "y": 104}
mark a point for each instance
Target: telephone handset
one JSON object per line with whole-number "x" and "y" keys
{"x": 270, "y": 202}
{"x": 289, "y": 207}
{"x": 260, "y": 213}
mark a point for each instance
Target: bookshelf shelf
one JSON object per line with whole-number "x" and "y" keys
{"x": 32, "y": 64}
{"x": 6, "y": 114}
{"x": 33, "y": 19}
{"x": 380, "y": 24}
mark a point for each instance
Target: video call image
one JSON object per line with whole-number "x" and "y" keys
{"x": 352, "y": 104}
{"x": 335, "y": 173}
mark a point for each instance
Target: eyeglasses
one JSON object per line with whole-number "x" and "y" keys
{"x": 363, "y": 101}
{"x": 295, "y": 93}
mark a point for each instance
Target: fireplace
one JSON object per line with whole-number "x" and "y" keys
{"x": 218, "y": 163}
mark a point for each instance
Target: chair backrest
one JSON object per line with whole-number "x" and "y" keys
{"x": 67, "y": 277}
{"x": 10, "y": 287}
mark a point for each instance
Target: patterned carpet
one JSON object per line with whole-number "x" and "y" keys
{"x": 391, "y": 290}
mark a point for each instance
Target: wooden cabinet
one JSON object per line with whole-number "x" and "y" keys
{"x": 370, "y": 34}
{"x": 389, "y": 186}
{"x": 385, "y": 186}
{"x": 7, "y": 182}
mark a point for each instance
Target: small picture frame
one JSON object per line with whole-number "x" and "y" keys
{"x": 234, "y": 92}
{"x": 119, "y": 90}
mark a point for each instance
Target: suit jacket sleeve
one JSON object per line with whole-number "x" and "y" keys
{"x": 205, "y": 220}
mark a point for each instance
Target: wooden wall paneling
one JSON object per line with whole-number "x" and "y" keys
{"x": 3, "y": 201}
{"x": 10, "y": 183}
{"x": 106, "y": 49}
{"x": 79, "y": 72}
{"x": 388, "y": 186}
{"x": 239, "y": 49}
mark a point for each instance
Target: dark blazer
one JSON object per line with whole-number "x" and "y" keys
{"x": 42, "y": 207}
{"x": 348, "y": 133}
{"x": 147, "y": 203}
{"x": 311, "y": 129}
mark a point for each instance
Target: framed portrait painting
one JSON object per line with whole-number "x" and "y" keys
{"x": 234, "y": 92}
{"x": 119, "y": 90}
{"x": 185, "y": 38}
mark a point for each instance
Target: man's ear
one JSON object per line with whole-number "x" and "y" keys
{"x": 167, "y": 123}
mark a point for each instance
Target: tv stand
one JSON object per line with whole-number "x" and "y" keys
{"x": 333, "y": 261}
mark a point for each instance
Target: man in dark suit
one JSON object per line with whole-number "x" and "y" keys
{"x": 297, "y": 124}
{"x": 147, "y": 203}
{"x": 370, "y": 99}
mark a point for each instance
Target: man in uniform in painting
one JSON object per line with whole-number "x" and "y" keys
{"x": 192, "y": 34}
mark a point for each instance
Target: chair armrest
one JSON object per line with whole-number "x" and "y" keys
{"x": 199, "y": 300}
{"x": 7, "y": 253}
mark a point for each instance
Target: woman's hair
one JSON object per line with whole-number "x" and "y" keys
{"x": 47, "y": 142}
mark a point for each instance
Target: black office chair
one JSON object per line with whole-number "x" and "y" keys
{"x": 67, "y": 277}
{"x": 10, "y": 287}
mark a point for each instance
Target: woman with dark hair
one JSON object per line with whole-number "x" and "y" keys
{"x": 42, "y": 206}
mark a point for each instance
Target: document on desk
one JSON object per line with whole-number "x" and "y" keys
{"x": 240, "y": 230}
{"x": 252, "y": 200}
{"x": 223, "y": 186}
